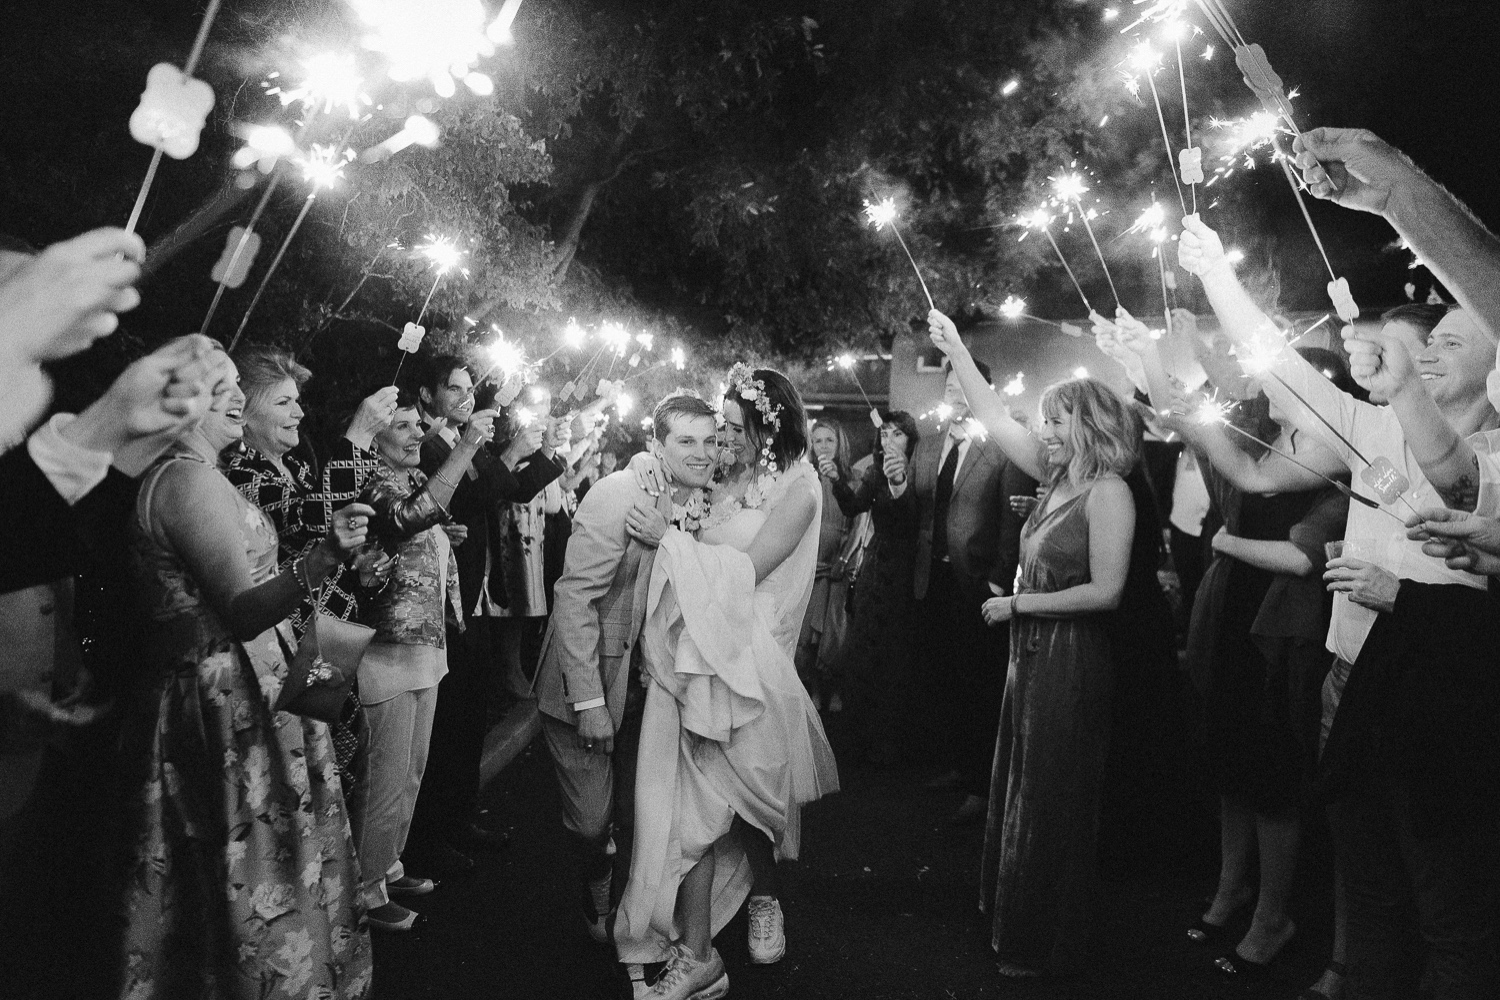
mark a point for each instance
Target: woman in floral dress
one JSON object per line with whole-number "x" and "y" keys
{"x": 242, "y": 878}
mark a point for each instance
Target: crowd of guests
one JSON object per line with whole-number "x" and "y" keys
{"x": 986, "y": 602}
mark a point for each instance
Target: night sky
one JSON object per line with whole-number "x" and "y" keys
{"x": 1420, "y": 74}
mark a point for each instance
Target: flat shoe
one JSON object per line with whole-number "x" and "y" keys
{"x": 406, "y": 885}
{"x": 392, "y": 917}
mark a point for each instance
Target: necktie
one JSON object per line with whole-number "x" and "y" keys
{"x": 942, "y": 496}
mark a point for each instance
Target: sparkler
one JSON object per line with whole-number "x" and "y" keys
{"x": 1071, "y": 187}
{"x": 323, "y": 167}
{"x": 1211, "y": 412}
{"x": 439, "y": 41}
{"x": 1040, "y": 219}
{"x": 1014, "y": 308}
{"x": 1152, "y": 223}
{"x": 882, "y": 214}
{"x": 329, "y": 81}
{"x": 505, "y": 357}
{"x": 416, "y": 130}
{"x": 1015, "y": 386}
{"x": 1146, "y": 60}
{"x": 445, "y": 256}
{"x": 239, "y": 248}
{"x": 194, "y": 54}
{"x": 846, "y": 361}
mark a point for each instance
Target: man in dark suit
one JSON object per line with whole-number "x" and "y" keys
{"x": 444, "y": 820}
{"x": 959, "y": 484}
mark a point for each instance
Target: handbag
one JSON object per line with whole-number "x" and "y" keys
{"x": 320, "y": 677}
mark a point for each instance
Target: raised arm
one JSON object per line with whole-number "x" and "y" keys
{"x": 783, "y": 528}
{"x": 1383, "y": 364}
{"x": 1256, "y": 337}
{"x": 987, "y": 406}
{"x": 197, "y": 511}
{"x": 1357, "y": 169}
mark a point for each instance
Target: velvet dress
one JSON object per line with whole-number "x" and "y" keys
{"x": 1039, "y": 869}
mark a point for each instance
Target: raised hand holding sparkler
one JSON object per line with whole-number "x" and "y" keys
{"x": 882, "y": 214}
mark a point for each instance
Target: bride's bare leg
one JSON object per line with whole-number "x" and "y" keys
{"x": 761, "y": 854}
{"x": 694, "y": 907}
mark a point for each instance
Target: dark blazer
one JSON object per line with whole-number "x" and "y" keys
{"x": 487, "y": 484}
{"x": 984, "y": 537}
{"x": 39, "y": 532}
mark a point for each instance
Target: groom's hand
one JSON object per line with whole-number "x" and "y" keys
{"x": 596, "y": 733}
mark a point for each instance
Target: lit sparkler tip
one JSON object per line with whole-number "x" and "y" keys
{"x": 1152, "y": 218}
{"x": 1012, "y": 307}
{"x": 624, "y": 403}
{"x": 616, "y": 337}
{"x": 506, "y": 357}
{"x": 442, "y": 252}
{"x": 1261, "y": 356}
{"x": 1143, "y": 58}
{"x": 1080, "y": 372}
{"x": 1211, "y": 411}
{"x": 1234, "y": 255}
{"x": 330, "y": 80}
{"x": 882, "y": 213}
{"x": 844, "y": 361}
{"x": 679, "y": 358}
{"x": 1015, "y": 386}
{"x": 1037, "y": 219}
{"x": 1069, "y": 187}
{"x": 573, "y": 335}
{"x": 323, "y": 166}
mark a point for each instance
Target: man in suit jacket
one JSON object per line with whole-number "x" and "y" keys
{"x": 444, "y": 820}
{"x": 959, "y": 484}
{"x": 588, "y": 684}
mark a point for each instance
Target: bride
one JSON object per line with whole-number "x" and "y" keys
{"x": 731, "y": 745}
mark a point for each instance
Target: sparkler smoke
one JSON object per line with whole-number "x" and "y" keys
{"x": 1070, "y": 187}
{"x": 323, "y": 167}
{"x": 330, "y": 81}
{"x": 880, "y": 215}
{"x": 191, "y": 64}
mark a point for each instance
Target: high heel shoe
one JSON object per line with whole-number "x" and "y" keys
{"x": 1313, "y": 993}
{"x": 1238, "y": 967}
{"x": 1205, "y": 933}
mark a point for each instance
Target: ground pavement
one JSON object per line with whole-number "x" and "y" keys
{"x": 882, "y": 906}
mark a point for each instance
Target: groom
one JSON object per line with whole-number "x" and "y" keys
{"x": 588, "y": 685}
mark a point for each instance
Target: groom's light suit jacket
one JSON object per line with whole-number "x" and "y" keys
{"x": 599, "y": 603}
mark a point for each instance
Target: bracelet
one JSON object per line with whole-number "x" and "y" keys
{"x": 304, "y": 579}
{"x": 438, "y": 477}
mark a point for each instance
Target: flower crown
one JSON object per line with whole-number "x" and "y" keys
{"x": 753, "y": 390}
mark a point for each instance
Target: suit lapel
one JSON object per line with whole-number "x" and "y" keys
{"x": 978, "y": 454}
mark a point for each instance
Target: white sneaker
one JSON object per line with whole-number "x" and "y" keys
{"x": 686, "y": 978}
{"x": 598, "y": 927}
{"x": 767, "y": 930}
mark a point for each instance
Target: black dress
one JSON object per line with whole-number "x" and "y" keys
{"x": 1254, "y": 751}
{"x": 875, "y": 663}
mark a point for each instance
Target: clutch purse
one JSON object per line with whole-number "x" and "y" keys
{"x": 321, "y": 675}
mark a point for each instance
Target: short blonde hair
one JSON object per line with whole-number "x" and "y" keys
{"x": 1105, "y": 438}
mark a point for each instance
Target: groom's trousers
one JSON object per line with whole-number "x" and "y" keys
{"x": 598, "y": 792}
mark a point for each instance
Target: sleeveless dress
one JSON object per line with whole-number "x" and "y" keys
{"x": 728, "y": 728}
{"x": 1040, "y": 865}
{"x": 242, "y": 877}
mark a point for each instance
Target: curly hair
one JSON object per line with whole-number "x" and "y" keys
{"x": 1105, "y": 436}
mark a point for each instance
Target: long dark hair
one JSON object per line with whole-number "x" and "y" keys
{"x": 788, "y": 442}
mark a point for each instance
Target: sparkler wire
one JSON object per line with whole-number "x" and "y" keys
{"x": 187, "y": 70}
{"x": 1291, "y": 179}
{"x": 1341, "y": 487}
{"x": 1187, "y": 122}
{"x": 1171, "y": 163}
{"x": 275, "y": 262}
{"x": 1071, "y": 275}
{"x": 897, "y": 230}
{"x": 1092, "y": 239}
{"x": 239, "y": 248}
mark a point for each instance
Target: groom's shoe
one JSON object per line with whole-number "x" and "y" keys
{"x": 767, "y": 930}
{"x": 686, "y": 978}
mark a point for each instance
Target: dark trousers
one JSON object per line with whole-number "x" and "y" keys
{"x": 1188, "y": 561}
{"x": 1423, "y": 912}
{"x": 450, "y": 786}
{"x": 964, "y": 661}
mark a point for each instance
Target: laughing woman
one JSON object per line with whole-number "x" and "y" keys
{"x": 243, "y": 881}
{"x": 1040, "y": 866}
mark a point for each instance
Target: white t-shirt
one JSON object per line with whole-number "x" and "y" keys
{"x": 1377, "y": 536}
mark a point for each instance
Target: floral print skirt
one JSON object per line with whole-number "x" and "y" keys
{"x": 243, "y": 881}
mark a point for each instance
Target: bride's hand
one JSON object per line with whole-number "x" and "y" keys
{"x": 648, "y": 472}
{"x": 646, "y": 525}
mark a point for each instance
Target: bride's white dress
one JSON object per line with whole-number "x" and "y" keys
{"x": 728, "y": 728}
